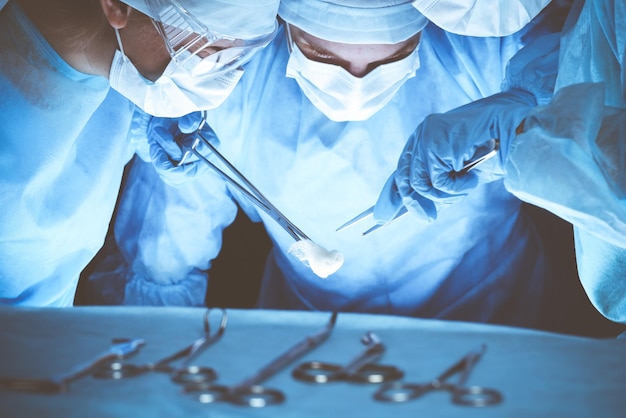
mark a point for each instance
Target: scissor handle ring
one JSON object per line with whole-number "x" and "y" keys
{"x": 193, "y": 374}
{"x": 117, "y": 370}
{"x": 256, "y": 396}
{"x": 476, "y": 396}
{"x": 317, "y": 372}
{"x": 207, "y": 392}
{"x": 376, "y": 373}
{"x": 400, "y": 392}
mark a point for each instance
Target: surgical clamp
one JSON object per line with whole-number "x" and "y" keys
{"x": 362, "y": 369}
{"x": 185, "y": 373}
{"x": 249, "y": 392}
{"x": 461, "y": 395}
{"x": 59, "y": 383}
{"x": 247, "y": 189}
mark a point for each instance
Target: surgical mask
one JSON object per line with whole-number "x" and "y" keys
{"x": 344, "y": 97}
{"x": 177, "y": 92}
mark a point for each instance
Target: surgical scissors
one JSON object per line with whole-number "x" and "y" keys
{"x": 362, "y": 369}
{"x": 494, "y": 145}
{"x": 249, "y": 392}
{"x": 185, "y": 373}
{"x": 59, "y": 383}
{"x": 461, "y": 394}
{"x": 247, "y": 189}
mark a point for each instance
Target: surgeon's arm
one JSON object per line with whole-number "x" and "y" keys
{"x": 571, "y": 160}
{"x": 169, "y": 235}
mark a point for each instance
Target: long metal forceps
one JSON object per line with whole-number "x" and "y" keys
{"x": 249, "y": 392}
{"x": 494, "y": 146}
{"x": 245, "y": 187}
{"x": 362, "y": 369}
{"x": 59, "y": 383}
{"x": 186, "y": 372}
{"x": 461, "y": 394}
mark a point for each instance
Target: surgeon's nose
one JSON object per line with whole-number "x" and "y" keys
{"x": 357, "y": 69}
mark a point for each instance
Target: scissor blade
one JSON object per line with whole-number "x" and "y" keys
{"x": 366, "y": 213}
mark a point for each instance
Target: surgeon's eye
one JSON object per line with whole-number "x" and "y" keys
{"x": 315, "y": 54}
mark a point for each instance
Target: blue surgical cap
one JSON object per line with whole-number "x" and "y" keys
{"x": 355, "y": 21}
{"x": 244, "y": 19}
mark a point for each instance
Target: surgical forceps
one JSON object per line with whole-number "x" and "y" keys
{"x": 59, "y": 383}
{"x": 470, "y": 165}
{"x": 362, "y": 369}
{"x": 247, "y": 189}
{"x": 185, "y": 373}
{"x": 461, "y": 394}
{"x": 249, "y": 392}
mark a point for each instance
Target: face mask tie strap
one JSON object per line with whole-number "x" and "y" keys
{"x": 119, "y": 43}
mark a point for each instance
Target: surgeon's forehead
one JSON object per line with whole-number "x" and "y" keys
{"x": 303, "y": 37}
{"x": 313, "y": 40}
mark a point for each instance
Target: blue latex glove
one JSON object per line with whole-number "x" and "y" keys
{"x": 425, "y": 180}
{"x": 165, "y": 137}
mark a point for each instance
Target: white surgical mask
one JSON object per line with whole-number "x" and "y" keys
{"x": 344, "y": 97}
{"x": 175, "y": 93}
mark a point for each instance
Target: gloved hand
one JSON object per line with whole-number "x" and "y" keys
{"x": 167, "y": 138}
{"x": 426, "y": 178}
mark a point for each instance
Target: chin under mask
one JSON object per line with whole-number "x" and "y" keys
{"x": 175, "y": 93}
{"x": 344, "y": 97}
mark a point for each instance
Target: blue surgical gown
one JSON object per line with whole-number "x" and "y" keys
{"x": 63, "y": 147}
{"x": 588, "y": 164}
{"x": 479, "y": 261}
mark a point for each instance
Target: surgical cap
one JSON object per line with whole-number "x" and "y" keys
{"x": 480, "y": 17}
{"x": 354, "y": 21}
{"x": 243, "y": 19}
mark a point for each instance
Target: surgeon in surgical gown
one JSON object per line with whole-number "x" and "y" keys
{"x": 569, "y": 157}
{"x": 64, "y": 130}
{"x": 321, "y": 157}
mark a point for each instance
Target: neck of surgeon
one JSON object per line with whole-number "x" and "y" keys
{"x": 82, "y": 32}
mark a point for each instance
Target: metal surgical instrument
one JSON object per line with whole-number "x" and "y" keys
{"x": 470, "y": 165}
{"x": 248, "y": 189}
{"x": 249, "y": 392}
{"x": 461, "y": 395}
{"x": 59, "y": 383}
{"x": 362, "y": 369}
{"x": 185, "y": 372}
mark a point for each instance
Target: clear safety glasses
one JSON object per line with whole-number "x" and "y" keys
{"x": 200, "y": 50}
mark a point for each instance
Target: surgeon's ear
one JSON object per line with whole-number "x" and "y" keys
{"x": 116, "y": 12}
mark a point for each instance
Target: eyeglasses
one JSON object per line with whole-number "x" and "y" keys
{"x": 200, "y": 50}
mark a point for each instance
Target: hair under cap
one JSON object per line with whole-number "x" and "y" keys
{"x": 243, "y": 19}
{"x": 355, "y": 21}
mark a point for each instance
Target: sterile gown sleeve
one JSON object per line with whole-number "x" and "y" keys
{"x": 581, "y": 137}
{"x": 170, "y": 235}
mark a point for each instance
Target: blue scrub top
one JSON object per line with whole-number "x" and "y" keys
{"x": 63, "y": 147}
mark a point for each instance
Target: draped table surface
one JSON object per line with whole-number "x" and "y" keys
{"x": 540, "y": 374}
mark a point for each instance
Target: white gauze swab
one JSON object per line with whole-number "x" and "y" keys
{"x": 320, "y": 260}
